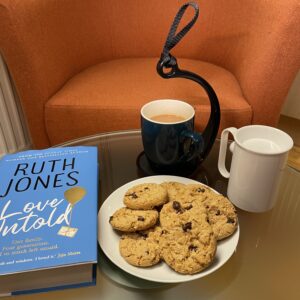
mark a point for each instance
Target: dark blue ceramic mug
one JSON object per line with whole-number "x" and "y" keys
{"x": 170, "y": 142}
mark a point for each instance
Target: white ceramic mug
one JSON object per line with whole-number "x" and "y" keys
{"x": 259, "y": 156}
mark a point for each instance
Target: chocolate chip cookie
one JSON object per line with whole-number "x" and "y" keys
{"x": 198, "y": 191}
{"x": 220, "y": 211}
{"x": 186, "y": 217}
{"x": 141, "y": 249}
{"x": 187, "y": 252}
{"x": 129, "y": 220}
{"x": 145, "y": 196}
{"x": 221, "y": 215}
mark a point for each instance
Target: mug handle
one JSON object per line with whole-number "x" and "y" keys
{"x": 223, "y": 150}
{"x": 195, "y": 147}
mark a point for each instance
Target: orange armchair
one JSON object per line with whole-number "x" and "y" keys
{"x": 83, "y": 67}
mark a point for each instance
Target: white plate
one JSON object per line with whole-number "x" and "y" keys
{"x": 109, "y": 239}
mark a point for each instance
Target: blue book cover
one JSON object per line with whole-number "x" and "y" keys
{"x": 48, "y": 209}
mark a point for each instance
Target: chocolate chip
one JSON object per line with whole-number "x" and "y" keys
{"x": 176, "y": 205}
{"x": 218, "y": 213}
{"x": 189, "y": 207}
{"x": 110, "y": 218}
{"x": 230, "y": 220}
{"x": 146, "y": 188}
{"x": 140, "y": 218}
{"x": 187, "y": 226}
{"x": 200, "y": 190}
{"x": 193, "y": 248}
{"x": 132, "y": 195}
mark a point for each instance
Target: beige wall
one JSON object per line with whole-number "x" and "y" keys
{"x": 291, "y": 107}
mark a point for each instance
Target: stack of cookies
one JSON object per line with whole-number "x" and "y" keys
{"x": 179, "y": 224}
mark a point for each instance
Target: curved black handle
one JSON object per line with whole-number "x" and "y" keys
{"x": 167, "y": 68}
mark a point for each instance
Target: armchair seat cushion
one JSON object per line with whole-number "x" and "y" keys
{"x": 108, "y": 97}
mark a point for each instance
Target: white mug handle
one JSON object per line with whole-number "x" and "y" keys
{"x": 223, "y": 150}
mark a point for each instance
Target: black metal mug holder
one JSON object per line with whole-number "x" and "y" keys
{"x": 168, "y": 68}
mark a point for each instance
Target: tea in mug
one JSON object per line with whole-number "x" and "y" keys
{"x": 167, "y": 118}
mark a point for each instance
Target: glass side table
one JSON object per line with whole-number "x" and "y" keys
{"x": 266, "y": 264}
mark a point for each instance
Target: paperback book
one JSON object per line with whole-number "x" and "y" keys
{"x": 48, "y": 219}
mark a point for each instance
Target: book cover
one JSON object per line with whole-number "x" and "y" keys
{"x": 48, "y": 209}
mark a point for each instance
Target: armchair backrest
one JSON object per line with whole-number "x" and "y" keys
{"x": 46, "y": 42}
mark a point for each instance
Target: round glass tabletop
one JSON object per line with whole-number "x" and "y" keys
{"x": 266, "y": 264}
